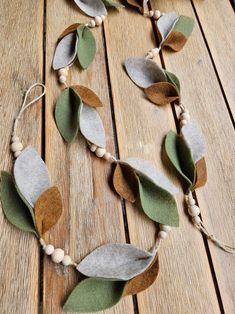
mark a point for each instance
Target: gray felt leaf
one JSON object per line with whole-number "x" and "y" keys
{"x": 91, "y": 126}
{"x": 145, "y": 167}
{"x": 166, "y": 23}
{"x": 31, "y": 175}
{"x": 116, "y": 261}
{"x": 92, "y": 7}
{"x": 65, "y": 52}
{"x": 144, "y": 72}
{"x": 193, "y": 136}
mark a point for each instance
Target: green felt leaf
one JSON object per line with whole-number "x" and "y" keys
{"x": 172, "y": 78}
{"x": 112, "y": 3}
{"x": 184, "y": 25}
{"x": 94, "y": 294}
{"x": 181, "y": 157}
{"x": 30, "y": 208}
{"x": 157, "y": 203}
{"x": 14, "y": 208}
{"x": 67, "y": 114}
{"x": 86, "y": 47}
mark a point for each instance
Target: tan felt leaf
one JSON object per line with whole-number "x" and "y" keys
{"x": 125, "y": 182}
{"x": 70, "y": 29}
{"x": 201, "y": 173}
{"x": 87, "y": 96}
{"x": 162, "y": 93}
{"x": 175, "y": 41}
{"x": 48, "y": 209}
{"x": 144, "y": 280}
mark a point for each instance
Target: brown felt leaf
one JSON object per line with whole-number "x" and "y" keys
{"x": 87, "y": 96}
{"x": 138, "y": 4}
{"x": 125, "y": 182}
{"x": 48, "y": 209}
{"x": 175, "y": 41}
{"x": 70, "y": 29}
{"x": 162, "y": 93}
{"x": 144, "y": 280}
{"x": 201, "y": 173}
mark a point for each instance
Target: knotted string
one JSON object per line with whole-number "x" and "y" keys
{"x": 25, "y": 105}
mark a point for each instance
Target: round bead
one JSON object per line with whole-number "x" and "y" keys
{"x": 196, "y": 220}
{"x": 155, "y": 51}
{"x": 92, "y": 23}
{"x": 63, "y": 72}
{"x": 62, "y": 79}
{"x": 107, "y": 156}
{"x": 17, "y": 154}
{"x": 49, "y": 249}
{"x": 185, "y": 110}
{"x": 150, "y": 55}
{"x": 183, "y": 122}
{"x": 93, "y": 148}
{"x": 157, "y": 14}
{"x": 67, "y": 260}
{"x": 151, "y": 13}
{"x": 57, "y": 256}
{"x": 194, "y": 210}
{"x": 185, "y": 116}
{"x": 162, "y": 234}
{"x": 98, "y": 20}
{"x": 15, "y": 139}
{"x": 103, "y": 17}
{"x": 165, "y": 228}
{"x": 100, "y": 152}
{"x": 16, "y": 146}
{"x": 191, "y": 201}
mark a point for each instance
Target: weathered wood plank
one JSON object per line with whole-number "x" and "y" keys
{"x": 21, "y": 66}
{"x": 202, "y": 95}
{"x": 185, "y": 283}
{"x": 92, "y": 212}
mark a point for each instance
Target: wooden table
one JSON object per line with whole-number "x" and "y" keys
{"x": 195, "y": 276}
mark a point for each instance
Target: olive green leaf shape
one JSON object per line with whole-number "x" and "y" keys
{"x": 157, "y": 203}
{"x": 112, "y": 3}
{"x": 86, "y": 47}
{"x": 180, "y": 156}
{"x": 67, "y": 114}
{"x": 184, "y": 25}
{"x": 172, "y": 78}
{"x": 94, "y": 294}
{"x": 15, "y": 210}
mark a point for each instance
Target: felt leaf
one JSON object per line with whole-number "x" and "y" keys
{"x": 144, "y": 280}
{"x": 125, "y": 182}
{"x": 31, "y": 175}
{"x": 172, "y": 78}
{"x": 112, "y": 3}
{"x": 157, "y": 203}
{"x": 140, "y": 4}
{"x": 193, "y": 136}
{"x": 67, "y": 114}
{"x": 144, "y": 167}
{"x": 87, "y": 96}
{"x": 48, "y": 209}
{"x": 162, "y": 93}
{"x": 72, "y": 28}
{"x": 15, "y": 210}
{"x": 86, "y": 47}
{"x": 65, "y": 52}
{"x": 91, "y": 126}
{"x": 165, "y": 24}
{"x": 92, "y": 7}
{"x": 93, "y": 294}
{"x": 144, "y": 72}
{"x": 201, "y": 173}
{"x": 119, "y": 261}
{"x": 180, "y": 156}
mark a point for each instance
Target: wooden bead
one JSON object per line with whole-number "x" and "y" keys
{"x": 49, "y": 249}
{"x": 150, "y": 55}
{"x": 103, "y": 17}
{"x": 196, "y": 220}
{"x": 17, "y": 154}
{"x": 185, "y": 116}
{"x": 63, "y": 72}
{"x": 151, "y": 13}
{"x": 155, "y": 51}
{"x": 57, "y": 256}
{"x": 15, "y": 139}
{"x": 193, "y": 210}
{"x": 98, "y": 20}
{"x": 107, "y": 156}
{"x": 62, "y": 79}
{"x": 16, "y": 146}
{"x": 100, "y": 152}
{"x": 165, "y": 228}
{"x": 93, "y": 148}
{"x": 67, "y": 260}
{"x": 183, "y": 122}
{"x": 157, "y": 14}
{"x": 92, "y": 23}
{"x": 191, "y": 201}
{"x": 162, "y": 235}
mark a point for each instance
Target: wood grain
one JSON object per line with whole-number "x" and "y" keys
{"x": 21, "y": 66}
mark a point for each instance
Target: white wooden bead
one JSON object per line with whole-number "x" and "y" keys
{"x": 67, "y": 260}
{"x": 49, "y": 249}
{"x": 17, "y": 154}
{"x": 100, "y": 152}
{"x": 190, "y": 196}
{"x": 185, "y": 116}
{"x": 62, "y": 79}
{"x": 191, "y": 201}
{"x": 15, "y": 139}
{"x": 194, "y": 210}
{"x": 150, "y": 55}
{"x": 103, "y": 17}
{"x": 93, "y": 148}
{"x": 92, "y": 23}
{"x": 183, "y": 122}
{"x": 151, "y": 13}
{"x": 155, "y": 51}
{"x": 165, "y": 228}
{"x": 157, "y": 14}
{"x": 57, "y": 256}
{"x": 16, "y": 146}
{"x": 63, "y": 72}
{"x": 98, "y": 20}
{"x": 107, "y": 156}
{"x": 162, "y": 235}
{"x": 196, "y": 220}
